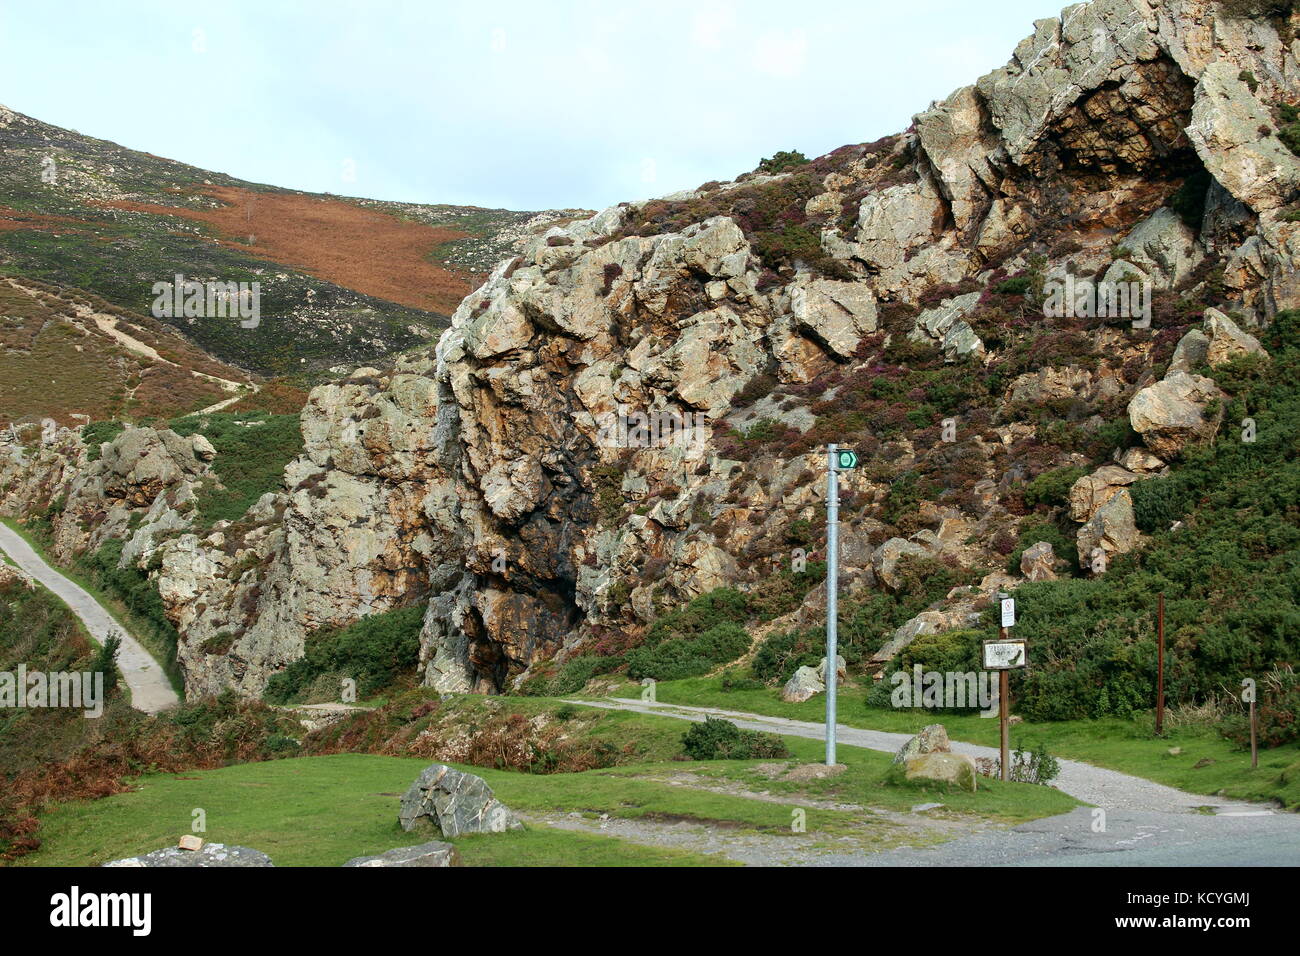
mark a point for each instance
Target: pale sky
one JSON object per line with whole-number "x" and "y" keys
{"x": 526, "y": 105}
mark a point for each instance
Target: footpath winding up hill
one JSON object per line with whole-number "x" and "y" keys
{"x": 343, "y": 281}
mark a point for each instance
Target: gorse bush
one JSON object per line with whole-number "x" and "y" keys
{"x": 716, "y": 739}
{"x": 1228, "y": 571}
{"x": 1277, "y": 696}
{"x": 252, "y": 451}
{"x": 1052, "y": 488}
{"x": 782, "y": 160}
{"x": 375, "y": 652}
{"x": 139, "y": 594}
{"x": 692, "y": 656}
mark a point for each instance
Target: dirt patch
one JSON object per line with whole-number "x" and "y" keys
{"x": 362, "y": 249}
{"x": 813, "y": 771}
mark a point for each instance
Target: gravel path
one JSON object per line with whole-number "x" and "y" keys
{"x": 1133, "y": 822}
{"x": 1095, "y": 785}
{"x": 150, "y": 689}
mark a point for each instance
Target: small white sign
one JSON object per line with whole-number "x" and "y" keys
{"x": 1005, "y": 655}
{"x": 1008, "y": 612}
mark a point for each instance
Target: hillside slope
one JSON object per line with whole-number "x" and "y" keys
{"x": 903, "y": 297}
{"x": 72, "y": 358}
{"x": 343, "y": 281}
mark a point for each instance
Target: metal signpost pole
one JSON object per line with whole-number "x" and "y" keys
{"x": 832, "y": 586}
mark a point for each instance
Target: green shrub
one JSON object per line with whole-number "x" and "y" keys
{"x": 719, "y": 606}
{"x": 1277, "y": 712}
{"x": 782, "y": 160}
{"x": 1036, "y": 767}
{"x": 1052, "y": 488}
{"x": 1063, "y": 544}
{"x": 1189, "y": 201}
{"x": 573, "y": 676}
{"x": 694, "y": 656}
{"x": 783, "y": 653}
{"x": 375, "y": 652}
{"x": 716, "y": 739}
{"x": 250, "y": 458}
{"x": 96, "y": 433}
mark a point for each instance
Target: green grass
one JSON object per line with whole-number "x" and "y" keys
{"x": 252, "y": 448}
{"x": 321, "y": 811}
{"x": 312, "y": 811}
{"x": 1127, "y": 745}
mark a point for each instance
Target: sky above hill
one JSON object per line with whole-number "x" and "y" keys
{"x": 524, "y": 105}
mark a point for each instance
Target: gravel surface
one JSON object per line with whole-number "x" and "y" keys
{"x": 1133, "y": 822}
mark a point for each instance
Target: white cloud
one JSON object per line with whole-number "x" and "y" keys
{"x": 781, "y": 52}
{"x": 710, "y": 26}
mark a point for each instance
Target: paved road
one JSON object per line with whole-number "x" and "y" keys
{"x": 1141, "y": 823}
{"x": 150, "y": 689}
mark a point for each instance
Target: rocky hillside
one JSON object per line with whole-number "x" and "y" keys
{"x": 343, "y": 280}
{"x": 902, "y": 297}
{"x": 72, "y": 358}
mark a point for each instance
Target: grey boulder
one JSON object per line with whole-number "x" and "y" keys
{"x": 456, "y": 803}
{"x": 434, "y": 853}
{"x": 211, "y": 854}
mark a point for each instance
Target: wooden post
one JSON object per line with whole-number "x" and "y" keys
{"x": 1160, "y": 668}
{"x": 1254, "y": 743}
{"x": 1003, "y": 684}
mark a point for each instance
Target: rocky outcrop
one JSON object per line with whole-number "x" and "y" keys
{"x": 516, "y": 480}
{"x": 1038, "y": 562}
{"x": 944, "y": 327}
{"x": 946, "y": 769}
{"x": 1179, "y": 410}
{"x": 456, "y": 803}
{"x": 805, "y": 684}
{"x": 1092, "y": 491}
{"x": 1226, "y": 341}
{"x": 1109, "y": 532}
{"x": 348, "y": 537}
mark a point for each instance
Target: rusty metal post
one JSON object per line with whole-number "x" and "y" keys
{"x": 1160, "y": 668}
{"x": 1254, "y": 741}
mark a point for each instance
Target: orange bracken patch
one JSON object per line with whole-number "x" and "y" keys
{"x": 11, "y": 220}
{"x": 361, "y": 249}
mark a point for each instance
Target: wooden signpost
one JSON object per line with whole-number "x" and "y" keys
{"x": 1003, "y": 655}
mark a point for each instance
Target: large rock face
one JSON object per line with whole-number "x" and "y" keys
{"x": 572, "y": 458}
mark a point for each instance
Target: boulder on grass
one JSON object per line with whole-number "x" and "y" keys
{"x": 806, "y": 683}
{"x": 931, "y": 740}
{"x": 954, "y": 770}
{"x": 435, "y": 853}
{"x": 211, "y": 854}
{"x": 456, "y": 803}
{"x": 841, "y": 669}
